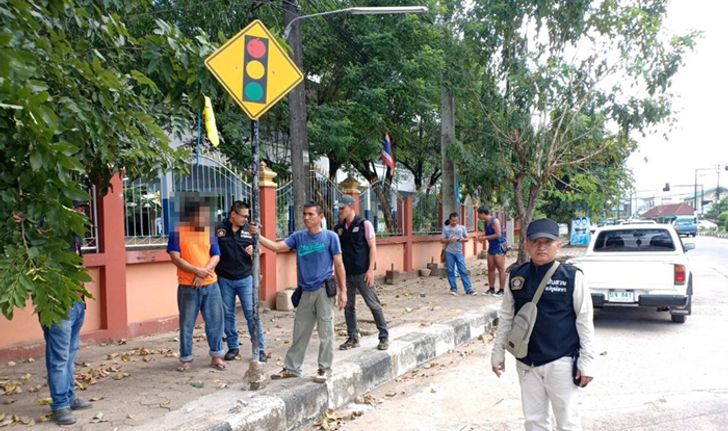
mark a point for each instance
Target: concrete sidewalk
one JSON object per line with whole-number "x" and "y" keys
{"x": 296, "y": 402}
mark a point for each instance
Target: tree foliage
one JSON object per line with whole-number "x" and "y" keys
{"x": 81, "y": 99}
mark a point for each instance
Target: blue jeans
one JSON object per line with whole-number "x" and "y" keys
{"x": 243, "y": 289}
{"x": 191, "y": 302}
{"x": 62, "y": 342}
{"x": 457, "y": 261}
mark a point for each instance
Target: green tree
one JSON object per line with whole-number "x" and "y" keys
{"x": 564, "y": 82}
{"x": 81, "y": 99}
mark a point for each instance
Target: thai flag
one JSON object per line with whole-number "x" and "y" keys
{"x": 387, "y": 153}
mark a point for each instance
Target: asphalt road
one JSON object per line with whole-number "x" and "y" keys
{"x": 652, "y": 374}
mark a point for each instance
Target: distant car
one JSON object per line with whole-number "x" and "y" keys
{"x": 639, "y": 266}
{"x": 686, "y": 226}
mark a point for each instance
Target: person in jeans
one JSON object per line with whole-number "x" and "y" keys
{"x": 194, "y": 250}
{"x": 63, "y": 340}
{"x": 359, "y": 251}
{"x": 318, "y": 257}
{"x": 235, "y": 279}
{"x": 454, "y": 236}
{"x": 496, "y": 250}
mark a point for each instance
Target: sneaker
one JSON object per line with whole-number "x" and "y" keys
{"x": 473, "y": 293}
{"x": 78, "y": 404}
{"x": 263, "y": 357}
{"x": 231, "y": 354}
{"x": 490, "y": 291}
{"x": 320, "y": 376}
{"x": 283, "y": 374}
{"x": 63, "y": 416}
{"x": 350, "y": 343}
{"x": 383, "y": 345}
{"x": 498, "y": 293}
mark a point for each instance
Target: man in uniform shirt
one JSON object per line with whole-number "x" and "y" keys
{"x": 318, "y": 257}
{"x": 563, "y": 331}
{"x": 359, "y": 250}
{"x": 234, "y": 275}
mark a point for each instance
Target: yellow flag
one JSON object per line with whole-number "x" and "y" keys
{"x": 210, "y": 125}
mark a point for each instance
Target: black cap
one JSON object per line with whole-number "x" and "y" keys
{"x": 344, "y": 201}
{"x": 542, "y": 228}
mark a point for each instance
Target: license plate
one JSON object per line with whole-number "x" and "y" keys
{"x": 620, "y": 296}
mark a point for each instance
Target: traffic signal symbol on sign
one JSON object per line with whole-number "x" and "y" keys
{"x": 255, "y": 66}
{"x": 254, "y": 69}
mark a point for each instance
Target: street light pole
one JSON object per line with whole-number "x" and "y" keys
{"x": 380, "y": 10}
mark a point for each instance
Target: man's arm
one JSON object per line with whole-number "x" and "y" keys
{"x": 187, "y": 267}
{"x": 497, "y": 228}
{"x": 372, "y": 243}
{"x": 585, "y": 327}
{"x": 274, "y": 246}
{"x": 340, "y": 273}
{"x": 505, "y": 319}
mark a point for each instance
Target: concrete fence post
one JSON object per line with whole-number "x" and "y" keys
{"x": 268, "y": 219}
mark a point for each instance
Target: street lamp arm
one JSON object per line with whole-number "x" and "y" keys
{"x": 378, "y": 10}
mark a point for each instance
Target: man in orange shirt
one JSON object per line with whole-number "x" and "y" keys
{"x": 195, "y": 252}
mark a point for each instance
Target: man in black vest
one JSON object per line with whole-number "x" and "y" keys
{"x": 234, "y": 275}
{"x": 563, "y": 332}
{"x": 359, "y": 250}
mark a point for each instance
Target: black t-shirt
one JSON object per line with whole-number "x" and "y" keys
{"x": 235, "y": 263}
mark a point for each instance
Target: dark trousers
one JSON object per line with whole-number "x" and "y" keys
{"x": 354, "y": 283}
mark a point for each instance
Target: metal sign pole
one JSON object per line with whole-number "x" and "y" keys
{"x": 255, "y": 209}
{"x": 255, "y": 376}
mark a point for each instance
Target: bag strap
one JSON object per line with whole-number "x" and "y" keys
{"x": 545, "y": 280}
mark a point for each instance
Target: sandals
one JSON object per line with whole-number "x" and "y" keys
{"x": 453, "y": 293}
{"x": 184, "y": 366}
{"x": 283, "y": 374}
{"x": 220, "y": 366}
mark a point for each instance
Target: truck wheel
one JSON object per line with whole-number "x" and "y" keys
{"x": 678, "y": 318}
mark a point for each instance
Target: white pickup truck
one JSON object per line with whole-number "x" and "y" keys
{"x": 640, "y": 265}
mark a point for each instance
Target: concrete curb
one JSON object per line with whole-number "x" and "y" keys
{"x": 298, "y": 402}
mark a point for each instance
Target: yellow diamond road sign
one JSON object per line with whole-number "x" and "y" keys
{"x": 254, "y": 69}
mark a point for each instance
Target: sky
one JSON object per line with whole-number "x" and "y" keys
{"x": 699, "y": 139}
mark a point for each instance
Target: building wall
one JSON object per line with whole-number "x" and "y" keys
{"x": 25, "y": 328}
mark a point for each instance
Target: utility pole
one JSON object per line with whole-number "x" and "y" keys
{"x": 447, "y": 138}
{"x": 297, "y": 118}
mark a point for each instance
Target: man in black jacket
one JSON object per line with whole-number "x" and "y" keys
{"x": 234, "y": 273}
{"x": 359, "y": 250}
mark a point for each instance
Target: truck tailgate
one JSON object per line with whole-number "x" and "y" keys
{"x": 628, "y": 272}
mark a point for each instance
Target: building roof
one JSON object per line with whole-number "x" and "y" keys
{"x": 681, "y": 209}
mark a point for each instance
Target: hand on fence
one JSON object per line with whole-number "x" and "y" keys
{"x": 253, "y": 228}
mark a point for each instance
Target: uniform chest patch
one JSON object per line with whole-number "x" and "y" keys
{"x": 221, "y": 232}
{"x": 517, "y": 283}
{"x": 355, "y": 230}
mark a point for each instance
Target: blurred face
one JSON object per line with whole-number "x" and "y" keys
{"x": 484, "y": 216}
{"x": 543, "y": 250}
{"x": 239, "y": 217}
{"x": 345, "y": 212}
{"x": 454, "y": 220}
{"x": 312, "y": 218}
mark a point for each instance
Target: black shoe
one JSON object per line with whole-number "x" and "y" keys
{"x": 350, "y": 344}
{"x": 78, "y": 404}
{"x": 320, "y": 376}
{"x": 498, "y": 293}
{"x": 231, "y": 354}
{"x": 490, "y": 291}
{"x": 383, "y": 345}
{"x": 63, "y": 416}
{"x": 263, "y": 357}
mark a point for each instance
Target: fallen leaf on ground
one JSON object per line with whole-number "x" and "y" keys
{"x": 130, "y": 416}
{"x": 44, "y": 418}
{"x": 25, "y": 377}
{"x": 390, "y": 394}
{"x": 44, "y": 402}
{"x": 31, "y": 360}
{"x": 11, "y": 364}
{"x": 198, "y": 385}
{"x": 35, "y": 388}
